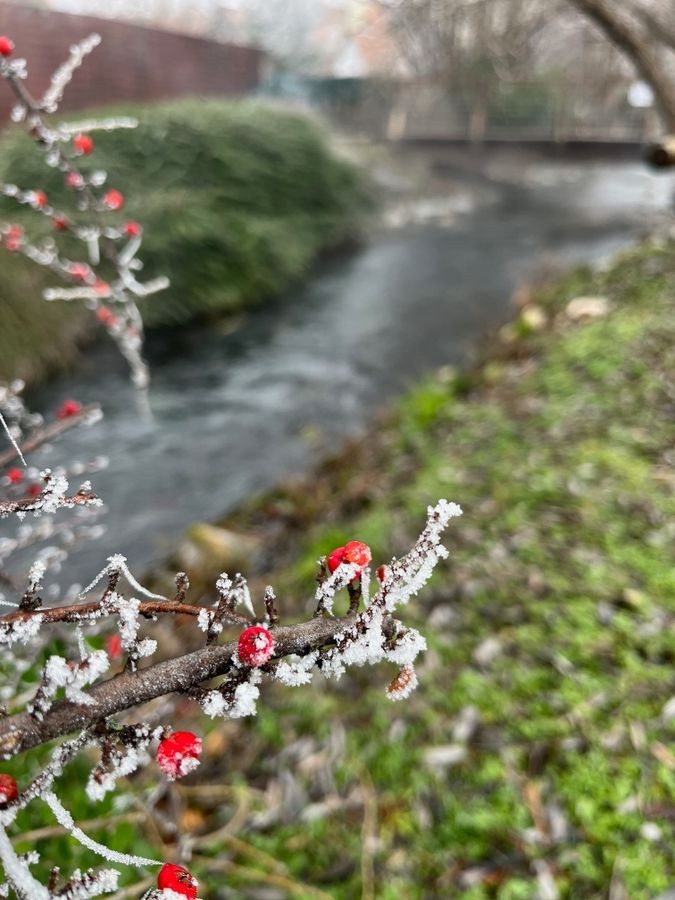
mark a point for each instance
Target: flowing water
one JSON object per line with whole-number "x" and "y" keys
{"x": 235, "y": 412}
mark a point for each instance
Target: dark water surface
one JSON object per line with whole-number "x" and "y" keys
{"x": 234, "y": 413}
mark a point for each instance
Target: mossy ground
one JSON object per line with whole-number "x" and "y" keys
{"x": 553, "y": 621}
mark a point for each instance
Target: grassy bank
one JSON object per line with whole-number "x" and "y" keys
{"x": 538, "y": 747}
{"x": 237, "y": 200}
{"x": 552, "y": 625}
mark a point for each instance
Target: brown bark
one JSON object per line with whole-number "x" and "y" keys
{"x": 628, "y": 37}
{"x": 657, "y": 28}
{"x": 21, "y": 732}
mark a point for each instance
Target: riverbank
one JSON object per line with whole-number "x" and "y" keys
{"x": 535, "y": 758}
{"x": 538, "y": 749}
{"x": 237, "y": 201}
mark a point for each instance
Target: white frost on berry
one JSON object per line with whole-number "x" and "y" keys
{"x": 168, "y": 894}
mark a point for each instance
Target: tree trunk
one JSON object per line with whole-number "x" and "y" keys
{"x": 628, "y": 37}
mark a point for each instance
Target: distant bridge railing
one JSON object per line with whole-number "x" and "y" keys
{"x": 427, "y": 109}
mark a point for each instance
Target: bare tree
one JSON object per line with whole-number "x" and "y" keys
{"x": 478, "y": 43}
{"x": 473, "y": 45}
{"x": 639, "y": 34}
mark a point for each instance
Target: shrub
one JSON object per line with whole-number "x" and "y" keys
{"x": 237, "y": 200}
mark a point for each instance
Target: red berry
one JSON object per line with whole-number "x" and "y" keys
{"x": 39, "y": 199}
{"x": 255, "y": 646}
{"x": 382, "y": 572}
{"x": 8, "y": 790}
{"x": 114, "y": 200}
{"x": 34, "y": 490}
{"x": 79, "y": 271}
{"x": 106, "y": 317}
{"x": 334, "y": 558}
{"x": 13, "y": 238}
{"x": 83, "y": 143}
{"x": 357, "y": 553}
{"x": 131, "y": 229}
{"x": 179, "y": 754}
{"x": 68, "y": 409}
{"x": 60, "y": 222}
{"x": 102, "y": 288}
{"x": 113, "y": 646}
{"x": 6, "y": 46}
{"x": 75, "y": 181}
{"x": 15, "y": 476}
{"x": 176, "y": 878}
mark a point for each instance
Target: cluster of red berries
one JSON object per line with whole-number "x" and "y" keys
{"x": 354, "y": 553}
{"x": 16, "y": 476}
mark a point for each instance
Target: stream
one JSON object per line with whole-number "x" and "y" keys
{"x": 236, "y": 411}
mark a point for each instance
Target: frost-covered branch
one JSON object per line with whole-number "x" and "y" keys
{"x": 104, "y": 243}
{"x": 328, "y": 644}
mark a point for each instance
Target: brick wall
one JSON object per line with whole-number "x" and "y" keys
{"x": 132, "y": 63}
